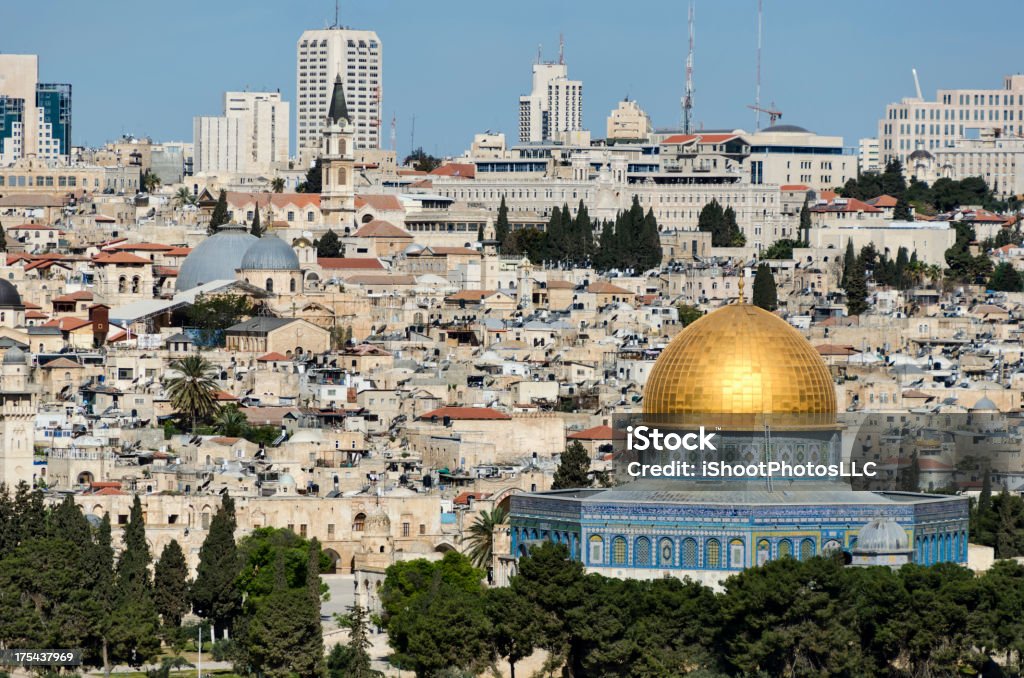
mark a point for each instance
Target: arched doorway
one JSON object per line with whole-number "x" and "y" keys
{"x": 335, "y": 557}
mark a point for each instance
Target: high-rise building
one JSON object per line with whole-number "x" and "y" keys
{"x": 35, "y": 118}
{"x": 914, "y": 124}
{"x": 323, "y": 56}
{"x": 553, "y": 109}
{"x": 628, "y": 122}
{"x": 867, "y": 157}
{"x": 251, "y": 137}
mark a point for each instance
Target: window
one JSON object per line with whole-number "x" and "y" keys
{"x": 642, "y": 552}
{"x": 330, "y": 530}
{"x": 713, "y": 553}
{"x": 689, "y": 553}
{"x": 665, "y": 550}
{"x": 270, "y": 284}
{"x": 302, "y": 530}
{"x": 596, "y": 549}
{"x": 736, "y": 553}
{"x": 405, "y": 529}
{"x": 785, "y": 549}
{"x": 763, "y": 552}
{"x": 359, "y": 522}
{"x": 806, "y": 549}
{"x": 423, "y": 528}
{"x": 291, "y": 285}
{"x": 619, "y": 551}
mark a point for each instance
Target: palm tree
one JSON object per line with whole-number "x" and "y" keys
{"x": 277, "y": 184}
{"x": 150, "y": 181}
{"x": 230, "y": 421}
{"x": 192, "y": 390}
{"x": 481, "y": 536}
{"x": 184, "y": 197}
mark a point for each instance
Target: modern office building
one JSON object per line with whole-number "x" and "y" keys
{"x": 251, "y": 137}
{"x": 628, "y": 122}
{"x": 914, "y": 124}
{"x": 867, "y": 156}
{"x": 35, "y": 118}
{"x": 788, "y": 154}
{"x": 322, "y": 56}
{"x": 553, "y": 110}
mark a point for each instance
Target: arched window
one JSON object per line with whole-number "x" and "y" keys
{"x": 135, "y": 285}
{"x": 341, "y": 176}
{"x": 806, "y": 549}
{"x": 665, "y": 553}
{"x": 122, "y": 284}
{"x": 359, "y": 522}
{"x": 764, "y": 552}
{"x": 713, "y": 554}
{"x": 596, "y": 549}
{"x": 785, "y": 549}
{"x": 270, "y": 284}
{"x": 619, "y": 551}
{"x": 291, "y": 284}
{"x": 736, "y": 553}
{"x": 642, "y": 552}
{"x": 690, "y": 553}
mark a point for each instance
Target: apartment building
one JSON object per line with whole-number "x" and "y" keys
{"x": 251, "y": 136}
{"x": 915, "y": 124}
{"x": 867, "y": 156}
{"x": 35, "y": 117}
{"x": 553, "y": 110}
{"x": 322, "y": 56}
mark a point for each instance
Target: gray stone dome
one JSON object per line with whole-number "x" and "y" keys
{"x": 377, "y": 523}
{"x": 216, "y": 258}
{"x": 921, "y": 153}
{"x": 15, "y": 356}
{"x": 984, "y": 404}
{"x": 270, "y": 253}
{"x": 882, "y": 535}
{"x": 9, "y": 296}
{"x": 786, "y": 128}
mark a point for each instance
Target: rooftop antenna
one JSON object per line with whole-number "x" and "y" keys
{"x": 757, "y": 90}
{"x": 539, "y": 52}
{"x": 688, "y": 97}
{"x": 561, "y": 49}
{"x": 394, "y": 126}
{"x": 412, "y": 135}
{"x": 336, "y": 14}
{"x": 917, "y": 84}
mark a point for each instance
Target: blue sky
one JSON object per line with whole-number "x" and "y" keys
{"x": 460, "y": 65}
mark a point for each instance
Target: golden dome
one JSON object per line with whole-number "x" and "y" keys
{"x": 739, "y": 360}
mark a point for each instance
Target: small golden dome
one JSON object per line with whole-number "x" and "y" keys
{"x": 739, "y": 360}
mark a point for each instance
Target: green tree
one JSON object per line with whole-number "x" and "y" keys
{"x": 849, "y": 262}
{"x": 711, "y": 220}
{"x": 352, "y": 659}
{"x": 501, "y": 225}
{"x": 135, "y": 624}
{"x": 781, "y": 249}
{"x": 211, "y": 314}
{"x": 480, "y": 536}
{"x": 192, "y": 390}
{"x": 573, "y": 468}
{"x": 856, "y": 289}
{"x": 1005, "y": 278}
{"x": 313, "y": 183}
{"x": 329, "y": 245}
{"x": 230, "y": 421}
{"x": 422, "y": 161}
{"x": 183, "y": 197}
{"x": 219, "y": 217}
{"x": 902, "y": 212}
{"x": 255, "y": 228}
{"x": 3, "y": 240}
{"x": 805, "y": 224}
{"x": 277, "y": 185}
{"x": 149, "y": 181}
{"x": 515, "y": 632}
{"x": 215, "y": 595}
{"x": 688, "y": 314}
{"x": 765, "y": 294}
{"x": 171, "y": 585}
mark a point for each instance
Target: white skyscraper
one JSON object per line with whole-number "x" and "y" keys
{"x": 553, "y": 109}
{"x": 322, "y": 56}
{"x": 251, "y": 137}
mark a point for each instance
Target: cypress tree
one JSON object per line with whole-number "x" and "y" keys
{"x": 849, "y": 261}
{"x": 605, "y": 246}
{"x": 902, "y": 212}
{"x": 710, "y": 220}
{"x": 765, "y": 294}
{"x": 805, "y": 224}
{"x": 856, "y": 289}
{"x": 480, "y": 233}
{"x": 902, "y": 263}
{"x": 215, "y": 596}
{"x": 650, "y": 242}
{"x": 732, "y": 235}
{"x": 584, "y": 231}
{"x": 220, "y": 213}
{"x": 170, "y": 585}
{"x": 133, "y": 565}
{"x": 255, "y": 228}
{"x": 134, "y": 621}
{"x": 501, "y": 227}
{"x": 329, "y": 245}
{"x": 3, "y": 240}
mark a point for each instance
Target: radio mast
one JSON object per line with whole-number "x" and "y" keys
{"x": 688, "y": 97}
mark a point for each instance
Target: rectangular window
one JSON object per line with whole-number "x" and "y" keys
{"x": 405, "y": 529}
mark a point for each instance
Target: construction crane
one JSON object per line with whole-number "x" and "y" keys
{"x": 688, "y": 97}
{"x": 773, "y": 113}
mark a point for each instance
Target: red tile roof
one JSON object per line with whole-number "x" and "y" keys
{"x": 607, "y": 288}
{"x": 273, "y": 356}
{"x": 383, "y": 203}
{"x": 793, "y": 187}
{"x": 456, "y": 169}
{"x": 594, "y": 433}
{"x": 81, "y": 295}
{"x": 141, "y": 246}
{"x": 846, "y": 205}
{"x": 836, "y": 349}
{"x": 462, "y": 499}
{"x": 378, "y": 228}
{"x": 341, "y": 263}
{"x": 119, "y": 258}
{"x": 67, "y": 324}
{"x": 699, "y": 138}
{"x": 464, "y": 414}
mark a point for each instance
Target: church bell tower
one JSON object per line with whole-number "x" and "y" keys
{"x": 337, "y": 195}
